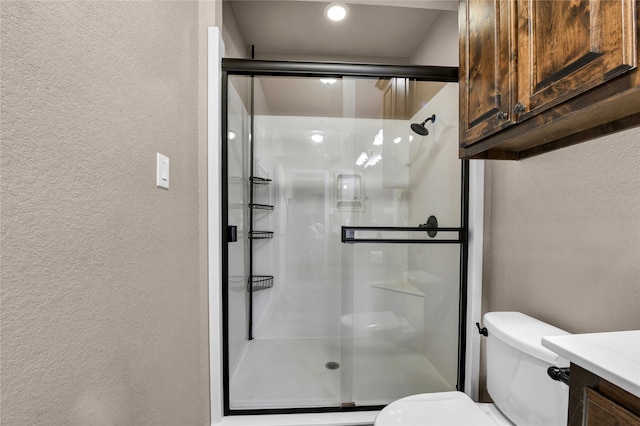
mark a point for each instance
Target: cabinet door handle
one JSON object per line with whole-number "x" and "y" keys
{"x": 501, "y": 115}
{"x": 519, "y": 108}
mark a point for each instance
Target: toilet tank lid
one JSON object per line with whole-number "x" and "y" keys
{"x": 523, "y": 333}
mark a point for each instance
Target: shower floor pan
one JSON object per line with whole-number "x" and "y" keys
{"x": 292, "y": 373}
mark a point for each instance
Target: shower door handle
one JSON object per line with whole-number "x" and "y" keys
{"x": 232, "y": 233}
{"x": 375, "y": 234}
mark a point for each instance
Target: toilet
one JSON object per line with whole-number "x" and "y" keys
{"x": 517, "y": 381}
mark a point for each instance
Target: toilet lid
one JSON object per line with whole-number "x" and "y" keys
{"x": 441, "y": 408}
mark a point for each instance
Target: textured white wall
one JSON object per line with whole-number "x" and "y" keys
{"x": 440, "y": 45}
{"x": 565, "y": 235}
{"x": 234, "y": 44}
{"x": 103, "y": 308}
{"x": 562, "y": 236}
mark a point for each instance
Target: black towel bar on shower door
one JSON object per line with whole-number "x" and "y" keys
{"x": 373, "y": 234}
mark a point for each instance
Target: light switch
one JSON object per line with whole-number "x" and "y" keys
{"x": 162, "y": 171}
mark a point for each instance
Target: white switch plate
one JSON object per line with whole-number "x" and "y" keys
{"x": 162, "y": 171}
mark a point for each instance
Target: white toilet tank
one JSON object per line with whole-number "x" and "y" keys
{"x": 517, "y": 365}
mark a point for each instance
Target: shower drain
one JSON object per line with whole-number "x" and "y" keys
{"x": 332, "y": 365}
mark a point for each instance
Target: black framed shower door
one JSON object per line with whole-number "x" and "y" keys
{"x": 337, "y": 219}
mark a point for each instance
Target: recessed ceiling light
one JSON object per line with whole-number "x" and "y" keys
{"x": 328, "y": 81}
{"x": 336, "y": 11}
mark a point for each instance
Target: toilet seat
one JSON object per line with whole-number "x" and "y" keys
{"x": 441, "y": 409}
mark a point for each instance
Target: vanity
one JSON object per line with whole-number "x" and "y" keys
{"x": 604, "y": 376}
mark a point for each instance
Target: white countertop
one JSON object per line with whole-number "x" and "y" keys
{"x": 614, "y": 356}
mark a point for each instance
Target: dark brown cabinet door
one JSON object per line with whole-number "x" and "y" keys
{"x": 601, "y": 411}
{"x": 594, "y": 401}
{"x": 486, "y": 71}
{"x": 568, "y": 47}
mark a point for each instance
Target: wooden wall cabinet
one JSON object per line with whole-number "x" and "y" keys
{"x": 486, "y": 69}
{"x": 539, "y": 75}
{"x": 594, "y": 401}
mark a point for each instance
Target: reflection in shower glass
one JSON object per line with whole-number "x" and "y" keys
{"x": 342, "y": 324}
{"x": 348, "y": 189}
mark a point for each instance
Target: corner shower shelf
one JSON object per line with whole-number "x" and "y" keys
{"x": 261, "y": 206}
{"x": 260, "y": 282}
{"x": 260, "y": 235}
{"x": 257, "y": 282}
{"x": 259, "y": 180}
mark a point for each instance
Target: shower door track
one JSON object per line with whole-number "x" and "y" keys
{"x": 253, "y": 68}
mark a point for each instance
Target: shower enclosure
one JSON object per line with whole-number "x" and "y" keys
{"x": 345, "y": 235}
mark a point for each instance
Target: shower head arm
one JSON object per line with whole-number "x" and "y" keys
{"x": 431, "y": 119}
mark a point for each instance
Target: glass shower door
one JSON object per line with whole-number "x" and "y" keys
{"x": 402, "y": 249}
{"x": 238, "y": 298}
{"x": 403, "y": 320}
{"x": 351, "y": 317}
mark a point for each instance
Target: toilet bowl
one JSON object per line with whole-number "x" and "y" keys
{"x": 434, "y": 409}
{"x": 517, "y": 381}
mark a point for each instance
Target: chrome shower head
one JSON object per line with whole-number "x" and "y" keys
{"x": 420, "y": 128}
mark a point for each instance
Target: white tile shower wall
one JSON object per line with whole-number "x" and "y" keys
{"x": 265, "y": 252}
{"x": 435, "y": 182}
{"x": 306, "y": 255}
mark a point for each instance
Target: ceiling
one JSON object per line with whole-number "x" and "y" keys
{"x": 385, "y": 29}
{"x": 375, "y": 31}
